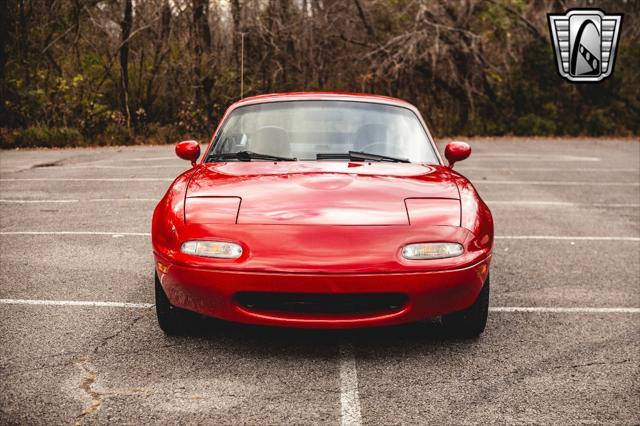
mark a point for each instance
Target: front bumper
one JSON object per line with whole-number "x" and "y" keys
{"x": 213, "y": 292}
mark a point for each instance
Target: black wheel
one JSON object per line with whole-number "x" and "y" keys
{"x": 169, "y": 317}
{"x": 472, "y": 321}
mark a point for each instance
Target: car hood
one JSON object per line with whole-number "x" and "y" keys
{"x": 317, "y": 193}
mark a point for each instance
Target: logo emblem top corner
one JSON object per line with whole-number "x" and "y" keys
{"x": 585, "y": 42}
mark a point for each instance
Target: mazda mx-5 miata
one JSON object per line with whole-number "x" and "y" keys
{"x": 324, "y": 210}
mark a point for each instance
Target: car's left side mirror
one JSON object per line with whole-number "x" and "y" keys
{"x": 456, "y": 151}
{"x": 188, "y": 150}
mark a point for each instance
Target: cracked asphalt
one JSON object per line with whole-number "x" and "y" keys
{"x": 62, "y": 364}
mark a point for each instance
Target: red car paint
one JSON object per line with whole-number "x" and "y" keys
{"x": 188, "y": 150}
{"x": 457, "y": 151}
{"x": 322, "y": 227}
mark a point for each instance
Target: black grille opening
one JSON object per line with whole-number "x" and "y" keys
{"x": 312, "y": 303}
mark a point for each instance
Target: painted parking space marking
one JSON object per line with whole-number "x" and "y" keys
{"x": 123, "y": 234}
{"x": 102, "y": 200}
{"x": 564, "y": 238}
{"x": 135, "y": 159}
{"x": 62, "y": 167}
{"x": 346, "y": 350}
{"x": 460, "y": 168}
{"x": 349, "y": 398}
{"x": 86, "y": 179}
{"x": 565, "y": 310}
{"x": 141, "y": 166}
{"x": 477, "y": 181}
{"x": 497, "y": 237}
{"x": 88, "y": 303}
{"x": 492, "y": 203}
{"x": 90, "y": 200}
{"x": 552, "y": 183}
{"x": 549, "y": 169}
{"x": 561, "y": 204}
{"x": 37, "y": 201}
{"x": 519, "y": 156}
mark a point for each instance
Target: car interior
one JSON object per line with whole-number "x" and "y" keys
{"x": 274, "y": 140}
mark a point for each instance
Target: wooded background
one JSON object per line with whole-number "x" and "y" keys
{"x": 77, "y": 72}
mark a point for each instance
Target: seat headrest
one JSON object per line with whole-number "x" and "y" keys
{"x": 369, "y": 134}
{"x": 271, "y": 140}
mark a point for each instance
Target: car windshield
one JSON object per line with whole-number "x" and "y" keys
{"x": 304, "y": 129}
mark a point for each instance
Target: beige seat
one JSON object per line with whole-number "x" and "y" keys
{"x": 370, "y": 134}
{"x": 270, "y": 140}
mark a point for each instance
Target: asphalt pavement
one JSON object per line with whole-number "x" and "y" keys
{"x": 562, "y": 344}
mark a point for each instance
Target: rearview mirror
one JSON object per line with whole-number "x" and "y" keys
{"x": 456, "y": 151}
{"x": 188, "y": 150}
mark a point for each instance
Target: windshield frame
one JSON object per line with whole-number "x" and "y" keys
{"x": 216, "y": 138}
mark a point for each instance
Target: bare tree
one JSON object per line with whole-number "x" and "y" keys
{"x": 201, "y": 40}
{"x": 125, "y": 25}
{"x": 475, "y": 66}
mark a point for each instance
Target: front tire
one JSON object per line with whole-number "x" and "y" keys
{"x": 472, "y": 321}
{"x": 169, "y": 317}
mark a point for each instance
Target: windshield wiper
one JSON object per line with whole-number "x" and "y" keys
{"x": 359, "y": 156}
{"x": 247, "y": 156}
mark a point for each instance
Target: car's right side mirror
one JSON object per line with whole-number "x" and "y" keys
{"x": 188, "y": 150}
{"x": 456, "y": 151}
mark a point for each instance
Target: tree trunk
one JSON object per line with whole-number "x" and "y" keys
{"x": 4, "y": 10}
{"x": 364, "y": 16}
{"x": 201, "y": 40}
{"x": 126, "y": 25}
{"x": 236, "y": 13}
{"x": 161, "y": 49}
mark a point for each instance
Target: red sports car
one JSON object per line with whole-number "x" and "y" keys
{"x": 325, "y": 210}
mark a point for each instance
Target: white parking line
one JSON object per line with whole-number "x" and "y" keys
{"x": 476, "y": 181}
{"x": 37, "y": 201}
{"x": 181, "y": 165}
{"x": 463, "y": 169}
{"x": 113, "y": 234}
{"x": 349, "y": 399}
{"x": 563, "y": 238}
{"x": 135, "y": 159}
{"x": 515, "y": 156}
{"x": 552, "y": 310}
{"x": 346, "y": 351}
{"x": 552, "y": 182}
{"x": 490, "y": 202}
{"x": 497, "y": 237}
{"x": 184, "y": 166}
{"x": 87, "y": 179}
{"x": 561, "y": 204}
{"x": 90, "y": 200}
{"x": 75, "y": 303}
{"x": 100, "y": 200}
{"x": 549, "y": 169}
